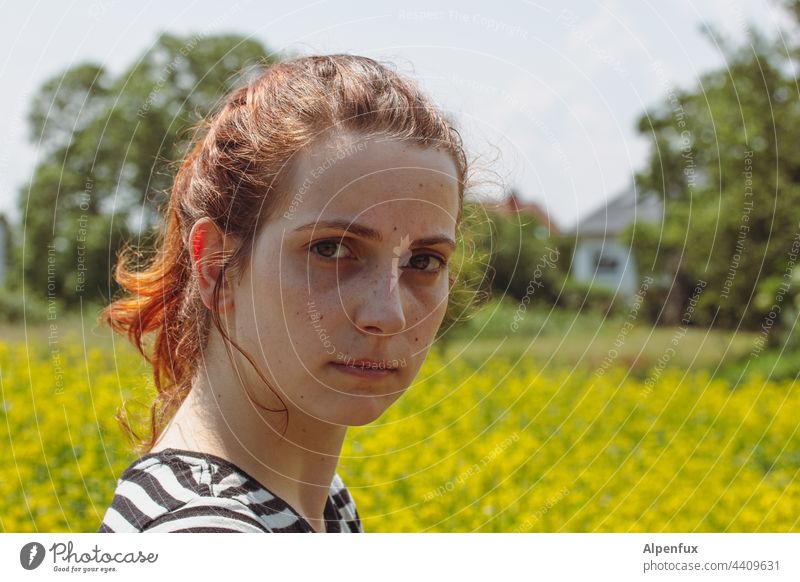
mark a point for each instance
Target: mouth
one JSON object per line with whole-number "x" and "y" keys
{"x": 366, "y": 368}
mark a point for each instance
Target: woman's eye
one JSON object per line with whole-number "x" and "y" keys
{"x": 423, "y": 262}
{"x": 327, "y": 249}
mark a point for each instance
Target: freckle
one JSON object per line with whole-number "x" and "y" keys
{"x": 420, "y": 184}
{"x": 416, "y": 339}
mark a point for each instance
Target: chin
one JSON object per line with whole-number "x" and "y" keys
{"x": 358, "y": 411}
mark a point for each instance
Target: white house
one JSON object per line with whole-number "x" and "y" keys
{"x": 600, "y": 257}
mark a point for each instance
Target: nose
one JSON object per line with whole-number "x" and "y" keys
{"x": 379, "y": 301}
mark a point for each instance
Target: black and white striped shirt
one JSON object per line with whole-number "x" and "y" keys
{"x": 176, "y": 490}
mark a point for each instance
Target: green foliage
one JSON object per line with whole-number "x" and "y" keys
{"x": 109, "y": 147}
{"x": 524, "y": 261}
{"x": 469, "y": 272}
{"x": 587, "y": 297}
{"x": 725, "y": 163}
{"x": 771, "y": 366}
{"x": 16, "y": 308}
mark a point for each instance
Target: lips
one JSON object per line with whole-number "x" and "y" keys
{"x": 365, "y": 364}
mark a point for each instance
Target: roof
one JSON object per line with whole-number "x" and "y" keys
{"x": 512, "y": 204}
{"x": 622, "y": 210}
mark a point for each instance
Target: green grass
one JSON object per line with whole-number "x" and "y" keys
{"x": 572, "y": 340}
{"x": 553, "y": 338}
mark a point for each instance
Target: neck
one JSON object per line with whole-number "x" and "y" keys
{"x": 219, "y": 418}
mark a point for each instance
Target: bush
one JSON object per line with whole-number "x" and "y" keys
{"x": 16, "y": 307}
{"x": 770, "y": 365}
{"x": 588, "y": 298}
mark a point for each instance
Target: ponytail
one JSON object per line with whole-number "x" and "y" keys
{"x": 162, "y": 300}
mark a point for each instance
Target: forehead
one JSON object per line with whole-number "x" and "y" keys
{"x": 376, "y": 178}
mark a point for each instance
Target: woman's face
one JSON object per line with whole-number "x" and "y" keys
{"x": 352, "y": 268}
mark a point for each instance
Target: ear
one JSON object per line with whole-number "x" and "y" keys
{"x": 206, "y": 245}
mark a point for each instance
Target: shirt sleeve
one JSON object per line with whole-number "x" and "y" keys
{"x": 207, "y": 515}
{"x": 359, "y": 527}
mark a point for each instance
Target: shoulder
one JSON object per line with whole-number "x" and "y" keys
{"x": 207, "y": 514}
{"x": 345, "y": 505}
{"x": 165, "y": 493}
{"x": 183, "y": 491}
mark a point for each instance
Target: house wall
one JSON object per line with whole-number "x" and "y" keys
{"x": 616, "y": 271}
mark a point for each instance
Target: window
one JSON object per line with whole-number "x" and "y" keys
{"x": 605, "y": 262}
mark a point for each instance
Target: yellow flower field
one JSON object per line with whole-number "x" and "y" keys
{"x": 504, "y": 448}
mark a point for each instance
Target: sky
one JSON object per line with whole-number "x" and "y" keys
{"x": 546, "y": 94}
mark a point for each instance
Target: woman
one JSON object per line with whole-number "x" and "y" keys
{"x": 300, "y": 281}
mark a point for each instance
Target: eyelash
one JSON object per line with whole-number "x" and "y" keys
{"x": 442, "y": 261}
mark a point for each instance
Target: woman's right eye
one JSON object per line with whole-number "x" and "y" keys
{"x": 327, "y": 249}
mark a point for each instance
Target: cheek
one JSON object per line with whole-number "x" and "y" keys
{"x": 276, "y": 306}
{"x": 429, "y": 303}
{"x": 310, "y": 323}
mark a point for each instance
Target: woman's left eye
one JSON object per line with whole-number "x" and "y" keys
{"x": 420, "y": 265}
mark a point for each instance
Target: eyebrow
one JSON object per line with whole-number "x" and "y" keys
{"x": 370, "y": 233}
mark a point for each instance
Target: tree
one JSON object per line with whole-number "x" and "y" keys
{"x": 523, "y": 260}
{"x": 108, "y": 151}
{"x": 725, "y": 162}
